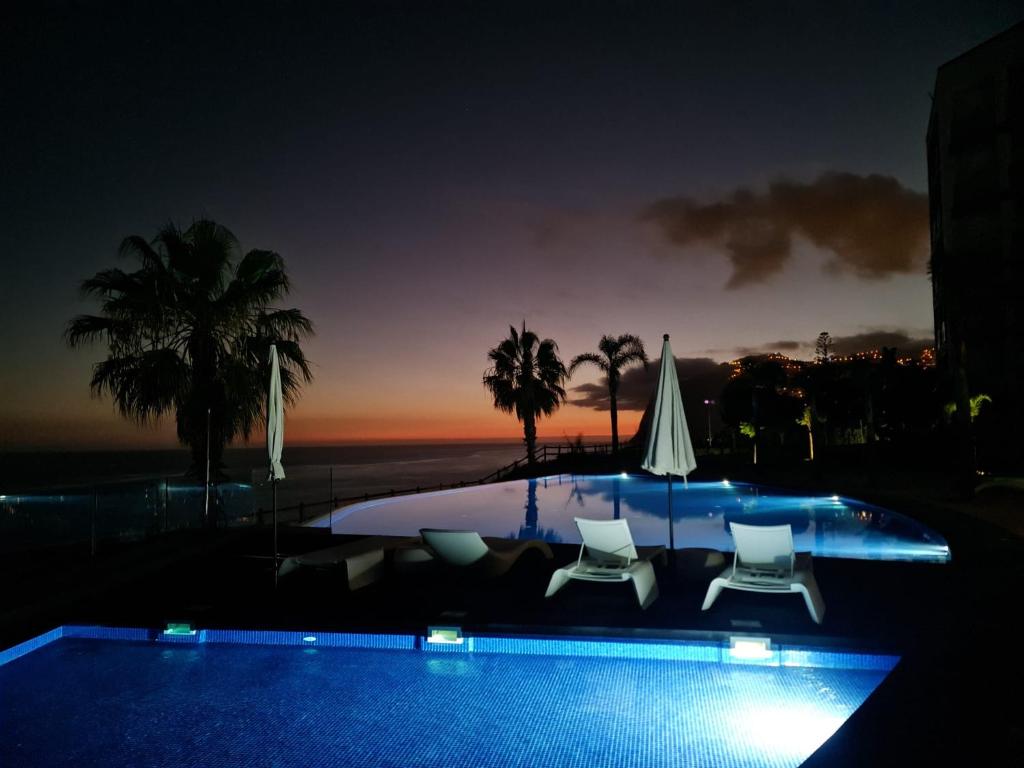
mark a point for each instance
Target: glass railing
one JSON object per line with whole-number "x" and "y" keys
{"x": 123, "y": 511}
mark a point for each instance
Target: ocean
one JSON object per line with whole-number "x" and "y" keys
{"x": 356, "y": 469}
{"x": 77, "y": 496}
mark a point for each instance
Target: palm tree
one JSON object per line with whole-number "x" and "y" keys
{"x": 616, "y": 354}
{"x": 189, "y": 331}
{"x": 525, "y": 378}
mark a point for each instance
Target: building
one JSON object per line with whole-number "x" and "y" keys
{"x": 976, "y": 200}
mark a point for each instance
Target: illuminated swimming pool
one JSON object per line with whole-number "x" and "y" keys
{"x": 91, "y": 696}
{"x": 827, "y": 526}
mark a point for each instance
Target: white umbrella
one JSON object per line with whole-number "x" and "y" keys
{"x": 275, "y": 436}
{"x": 669, "y": 450}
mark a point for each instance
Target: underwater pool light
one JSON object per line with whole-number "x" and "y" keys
{"x": 309, "y": 639}
{"x": 625, "y": 475}
{"x": 445, "y": 635}
{"x": 726, "y": 483}
{"x": 750, "y": 647}
{"x": 179, "y": 628}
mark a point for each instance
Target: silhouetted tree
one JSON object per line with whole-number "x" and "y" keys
{"x": 189, "y": 331}
{"x": 616, "y": 353}
{"x": 823, "y": 347}
{"x": 526, "y": 378}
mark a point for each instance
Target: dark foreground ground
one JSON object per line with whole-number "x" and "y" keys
{"x": 953, "y": 700}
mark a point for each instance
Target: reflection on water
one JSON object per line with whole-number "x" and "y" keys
{"x": 544, "y": 508}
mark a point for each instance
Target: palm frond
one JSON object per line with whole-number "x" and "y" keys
{"x": 588, "y": 358}
{"x": 189, "y": 331}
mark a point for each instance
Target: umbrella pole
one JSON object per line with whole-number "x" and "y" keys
{"x": 671, "y": 527}
{"x": 206, "y": 495}
{"x": 273, "y": 485}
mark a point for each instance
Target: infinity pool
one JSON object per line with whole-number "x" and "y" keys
{"x": 226, "y": 698}
{"x": 827, "y": 526}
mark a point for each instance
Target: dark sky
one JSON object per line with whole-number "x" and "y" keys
{"x": 740, "y": 175}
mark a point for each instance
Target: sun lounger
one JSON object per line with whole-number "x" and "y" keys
{"x": 765, "y": 561}
{"x": 487, "y": 558}
{"x": 611, "y": 556}
{"x": 362, "y": 560}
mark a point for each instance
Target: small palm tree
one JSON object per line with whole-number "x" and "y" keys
{"x": 526, "y": 378}
{"x": 189, "y": 332}
{"x": 616, "y": 354}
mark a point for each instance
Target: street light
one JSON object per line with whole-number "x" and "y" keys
{"x": 707, "y": 410}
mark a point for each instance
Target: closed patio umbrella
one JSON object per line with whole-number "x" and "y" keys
{"x": 669, "y": 450}
{"x": 275, "y": 436}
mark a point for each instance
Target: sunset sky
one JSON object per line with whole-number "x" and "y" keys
{"x": 741, "y": 176}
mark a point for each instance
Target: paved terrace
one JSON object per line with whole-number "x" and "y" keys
{"x": 957, "y": 626}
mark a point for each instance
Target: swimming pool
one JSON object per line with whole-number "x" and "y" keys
{"x": 94, "y": 696}
{"x": 827, "y": 526}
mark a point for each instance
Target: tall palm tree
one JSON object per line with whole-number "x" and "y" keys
{"x": 525, "y": 378}
{"x": 189, "y": 332}
{"x": 616, "y": 353}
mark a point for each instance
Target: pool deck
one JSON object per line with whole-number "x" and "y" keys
{"x": 955, "y": 625}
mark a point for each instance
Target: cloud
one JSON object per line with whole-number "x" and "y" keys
{"x": 862, "y": 342}
{"x": 637, "y": 385}
{"x": 873, "y": 225}
{"x": 904, "y": 341}
{"x": 786, "y": 347}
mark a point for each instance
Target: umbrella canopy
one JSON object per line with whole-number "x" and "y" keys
{"x": 669, "y": 450}
{"x": 275, "y": 419}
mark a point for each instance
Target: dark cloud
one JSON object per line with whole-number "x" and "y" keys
{"x": 785, "y": 347}
{"x": 862, "y": 342}
{"x": 873, "y": 225}
{"x": 842, "y": 345}
{"x": 637, "y": 385}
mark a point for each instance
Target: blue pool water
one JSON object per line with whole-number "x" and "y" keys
{"x": 827, "y": 526}
{"x": 233, "y": 700}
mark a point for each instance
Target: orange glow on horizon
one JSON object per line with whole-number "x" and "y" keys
{"x": 109, "y": 431}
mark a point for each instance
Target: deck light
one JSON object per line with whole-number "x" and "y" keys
{"x": 445, "y": 635}
{"x": 750, "y": 647}
{"x": 624, "y": 475}
{"x": 725, "y": 482}
{"x": 835, "y": 498}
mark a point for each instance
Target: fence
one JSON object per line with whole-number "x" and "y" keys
{"x": 120, "y": 511}
{"x": 141, "y": 508}
{"x": 306, "y": 509}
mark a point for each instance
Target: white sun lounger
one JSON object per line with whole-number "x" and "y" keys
{"x": 611, "y": 557}
{"x": 766, "y": 562}
{"x": 488, "y": 558}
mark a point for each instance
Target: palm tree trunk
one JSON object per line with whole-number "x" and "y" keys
{"x": 613, "y": 401}
{"x": 530, "y": 437}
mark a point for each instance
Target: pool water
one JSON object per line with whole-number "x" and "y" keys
{"x": 827, "y": 526}
{"x": 503, "y": 702}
